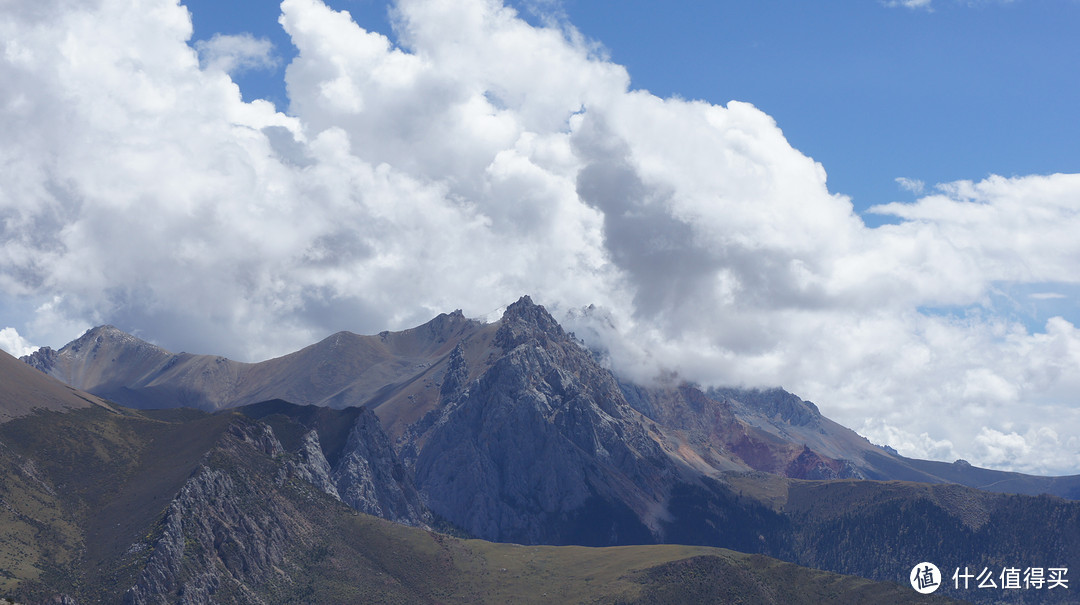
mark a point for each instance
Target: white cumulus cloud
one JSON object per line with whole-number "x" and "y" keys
{"x": 14, "y": 344}
{"x": 476, "y": 158}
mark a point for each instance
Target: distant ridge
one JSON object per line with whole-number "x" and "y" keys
{"x": 343, "y": 370}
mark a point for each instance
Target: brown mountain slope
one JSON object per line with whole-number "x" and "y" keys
{"x": 23, "y": 390}
{"x": 342, "y": 370}
{"x": 775, "y": 431}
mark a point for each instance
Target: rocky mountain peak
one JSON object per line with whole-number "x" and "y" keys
{"x": 42, "y": 359}
{"x": 543, "y": 428}
{"x": 103, "y": 334}
{"x": 99, "y": 361}
{"x": 106, "y": 339}
{"x": 525, "y": 320}
{"x": 370, "y": 479}
{"x": 88, "y": 344}
{"x": 445, "y": 322}
{"x": 772, "y": 403}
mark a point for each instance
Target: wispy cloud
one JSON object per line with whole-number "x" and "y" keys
{"x": 913, "y": 185}
{"x": 234, "y": 54}
{"x": 912, "y": 4}
{"x": 927, "y": 5}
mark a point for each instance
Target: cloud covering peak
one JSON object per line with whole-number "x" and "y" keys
{"x": 478, "y": 158}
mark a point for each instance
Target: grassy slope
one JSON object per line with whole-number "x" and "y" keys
{"x": 79, "y": 489}
{"x": 374, "y": 561}
{"x": 36, "y": 536}
{"x": 104, "y": 477}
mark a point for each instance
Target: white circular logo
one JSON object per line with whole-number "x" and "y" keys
{"x": 925, "y": 578}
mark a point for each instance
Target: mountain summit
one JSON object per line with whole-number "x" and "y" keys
{"x": 541, "y": 447}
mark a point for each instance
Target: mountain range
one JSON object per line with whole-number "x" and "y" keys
{"x": 106, "y": 504}
{"x": 401, "y": 376}
{"x": 224, "y": 478}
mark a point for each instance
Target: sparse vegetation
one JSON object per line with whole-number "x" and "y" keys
{"x": 84, "y": 527}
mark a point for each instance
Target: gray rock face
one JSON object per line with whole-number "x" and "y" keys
{"x": 543, "y": 447}
{"x": 259, "y": 436}
{"x": 42, "y": 359}
{"x": 773, "y": 403}
{"x": 227, "y": 536}
{"x": 369, "y": 478}
{"x": 457, "y": 374}
{"x": 215, "y": 545}
{"x": 312, "y": 466}
{"x": 344, "y": 454}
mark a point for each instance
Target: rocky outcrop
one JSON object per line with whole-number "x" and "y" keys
{"x": 542, "y": 447}
{"x": 772, "y": 403}
{"x": 225, "y": 535}
{"x": 370, "y": 479}
{"x": 42, "y": 359}
{"x": 527, "y": 322}
{"x": 346, "y": 455}
{"x": 457, "y": 374}
{"x": 311, "y": 465}
{"x": 810, "y": 465}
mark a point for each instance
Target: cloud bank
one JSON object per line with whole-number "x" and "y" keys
{"x": 477, "y": 158}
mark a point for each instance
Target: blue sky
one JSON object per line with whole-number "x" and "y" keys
{"x": 935, "y": 93}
